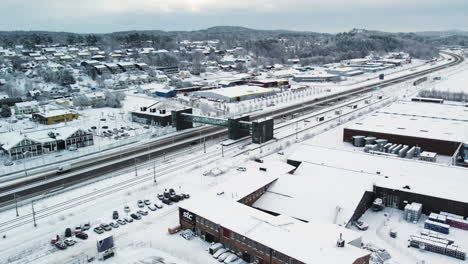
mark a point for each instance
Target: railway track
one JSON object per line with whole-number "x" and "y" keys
{"x": 128, "y": 158}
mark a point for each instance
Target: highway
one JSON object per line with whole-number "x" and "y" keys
{"x": 163, "y": 148}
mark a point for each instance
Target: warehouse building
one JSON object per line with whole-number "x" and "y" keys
{"x": 397, "y": 181}
{"x": 260, "y": 237}
{"x": 439, "y": 128}
{"x": 345, "y": 72}
{"x": 236, "y": 93}
{"x": 324, "y": 77}
{"x": 55, "y": 117}
{"x": 152, "y": 116}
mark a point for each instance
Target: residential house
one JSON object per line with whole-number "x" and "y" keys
{"x": 26, "y": 108}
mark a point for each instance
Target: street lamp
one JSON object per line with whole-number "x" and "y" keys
{"x": 24, "y": 162}
{"x": 136, "y": 170}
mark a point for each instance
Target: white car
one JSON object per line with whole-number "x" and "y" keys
{"x": 219, "y": 252}
{"x": 223, "y": 256}
{"x": 361, "y": 225}
{"x": 231, "y": 258}
{"x": 69, "y": 242}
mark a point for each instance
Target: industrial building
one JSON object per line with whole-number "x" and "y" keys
{"x": 397, "y": 181}
{"x": 152, "y": 116}
{"x": 345, "y": 72}
{"x": 439, "y": 128}
{"x": 324, "y": 77}
{"x": 260, "y": 237}
{"x": 236, "y": 93}
{"x": 55, "y": 117}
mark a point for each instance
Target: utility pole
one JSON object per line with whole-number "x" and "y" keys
{"x": 16, "y": 204}
{"x": 136, "y": 170}
{"x": 33, "y": 213}
{"x": 154, "y": 171}
{"x": 222, "y": 150}
{"x": 204, "y": 145}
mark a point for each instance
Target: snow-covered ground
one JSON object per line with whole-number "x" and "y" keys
{"x": 377, "y": 235}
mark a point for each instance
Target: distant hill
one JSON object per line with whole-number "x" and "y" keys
{"x": 443, "y": 34}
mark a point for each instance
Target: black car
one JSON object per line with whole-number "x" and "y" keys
{"x": 172, "y": 192}
{"x": 160, "y": 197}
{"x": 68, "y": 232}
{"x": 175, "y": 198}
{"x": 135, "y": 216}
{"x": 115, "y": 215}
{"x": 167, "y": 201}
{"x": 186, "y": 195}
{"x": 167, "y": 194}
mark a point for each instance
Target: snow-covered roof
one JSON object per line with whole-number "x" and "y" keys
{"x": 27, "y": 104}
{"x": 422, "y": 177}
{"x": 424, "y": 120}
{"x": 306, "y": 242}
{"x": 53, "y": 113}
{"x": 237, "y": 91}
{"x": 11, "y": 139}
{"x": 290, "y": 194}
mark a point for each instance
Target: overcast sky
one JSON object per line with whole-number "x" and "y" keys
{"x": 102, "y": 16}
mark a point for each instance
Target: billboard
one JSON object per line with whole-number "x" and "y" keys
{"x": 105, "y": 244}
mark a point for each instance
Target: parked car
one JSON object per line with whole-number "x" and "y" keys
{"x": 115, "y": 215}
{"x": 281, "y": 153}
{"x": 106, "y": 227}
{"x": 60, "y": 245}
{"x": 185, "y": 195}
{"x": 114, "y": 225}
{"x": 98, "y": 230}
{"x": 86, "y": 226}
{"x": 158, "y": 205}
{"x": 215, "y": 247}
{"x": 8, "y": 163}
{"x": 78, "y": 229}
{"x": 128, "y": 219}
{"x": 258, "y": 160}
{"x": 219, "y": 252}
{"x": 241, "y": 169}
{"x": 361, "y": 225}
{"x": 231, "y": 258}
{"x": 127, "y": 209}
{"x": 167, "y": 201}
{"x": 68, "y": 232}
{"x": 81, "y": 235}
{"x": 175, "y": 198}
{"x": 69, "y": 242}
{"x": 135, "y": 216}
{"x": 160, "y": 197}
{"x": 152, "y": 207}
{"x": 223, "y": 256}
{"x": 72, "y": 148}
{"x": 142, "y": 212}
{"x": 121, "y": 222}
{"x": 147, "y": 202}
{"x": 140, "y": 204}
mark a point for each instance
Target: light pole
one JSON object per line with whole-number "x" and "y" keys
{"x": 154, "y": 171}
{"x": 222, "y": 150}
{"x": 24, "y": 162}
{"x": 16, "y": 204}
{"x": 204, "y": 145}
{"x": 136, "y": 170}
{"x": 33, "y": 213}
